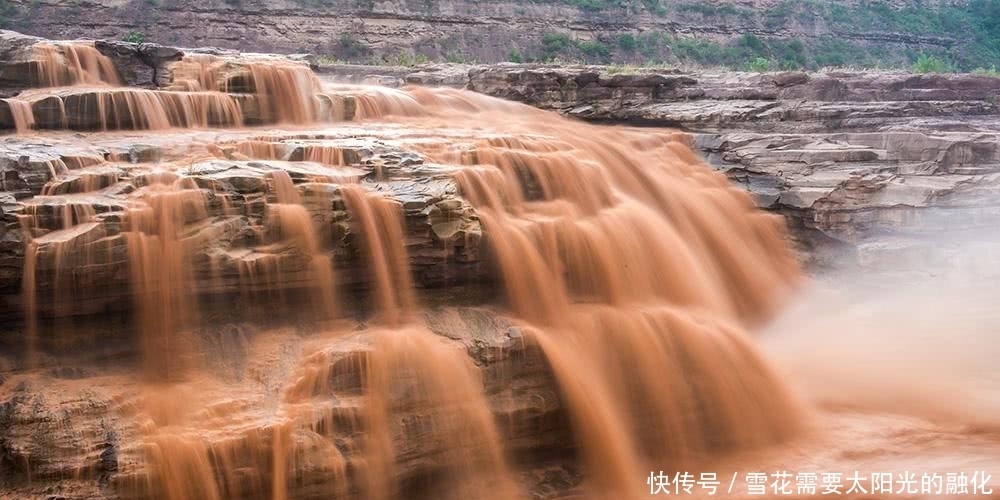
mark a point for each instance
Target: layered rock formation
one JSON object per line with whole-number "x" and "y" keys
{"x": 856, "y": 161}
{"x": 866, "y": 161}
{"x": 73, "y": 425}
{"x": 463, "y": 30}
{"x": 443, "y": 233}
{"x": 870, "y": 162}
{"x": 96, "y": 86}
{"x": 75, "y": 431}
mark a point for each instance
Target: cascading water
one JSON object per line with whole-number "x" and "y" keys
{"x": 159, "y": 266}
{"x": 24, "y": 118}
{"x": 379, "y": 222}
{"x": 80, "y": 89}
{"x": 67, "y": 64}
{"x": 622, "y": 293}
{"x": 295, "y": 225}
{"x": 630, "y": 267}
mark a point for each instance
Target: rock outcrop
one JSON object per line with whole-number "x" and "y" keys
{"x": 443, "y": 232}
{"x": 874, "y": 164}
{"x": 862, "y": 162}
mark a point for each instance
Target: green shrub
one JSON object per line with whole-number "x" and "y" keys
{"x": 555, "y": 44}
{"x": 627, "y": 42}
{"x": 655, "y": 7}
{"x": 759, "y": 65}
{"x": 835, "y": 52}
{"x": 751, "y": 44}
{"x": 991, "y": 71}
{"x": 592, "y": 5}
{"x": 594, "y": 48}
{"x": 351, "y": 48}
{"x": 651, "y": 44}
{"x": 134, "y": 37}
{"x": 514, "y": 56}
{"x": 790, "y": 54}
{"x": 927, "y": 63}
{"x": 707, "y": 53}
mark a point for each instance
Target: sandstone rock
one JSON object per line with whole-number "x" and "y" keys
{"x": 863, "y": 188}
{"x": 23, "y": 172}
{"x": 79, "y": 420}
{"x": 442, "y": 230}
{"x": 449, "y": 75}
{"x": 140, "y": 65}
{"x": 848, "y": 172}
{"x": 848, "y": 157}
{"x": 17, "y": 69}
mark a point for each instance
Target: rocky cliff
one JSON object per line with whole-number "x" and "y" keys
{"x": 728, "y": 33}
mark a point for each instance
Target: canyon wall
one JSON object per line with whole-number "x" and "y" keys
{"x": 729, "y": 33}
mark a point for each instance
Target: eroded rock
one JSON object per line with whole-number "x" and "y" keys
{"x": 77, "y": 226}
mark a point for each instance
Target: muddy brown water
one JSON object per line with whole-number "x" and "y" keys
{"x": 641, "y": 275}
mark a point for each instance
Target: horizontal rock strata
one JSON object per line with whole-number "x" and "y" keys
{"x": 442, "y": 230}
{"x": 873, "y": 164}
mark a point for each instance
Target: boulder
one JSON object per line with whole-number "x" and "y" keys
{"x": 141, "y": 64}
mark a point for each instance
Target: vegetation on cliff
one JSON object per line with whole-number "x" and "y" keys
{"x": 879, "y": 37}
{"x": 923, "y": 35}
{"x": 793, "y": 34}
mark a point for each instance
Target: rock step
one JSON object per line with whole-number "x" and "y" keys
{"x": 247, "y": 392}
{"x": 784, "y": 117}
{"x": 232, "y": 231}
{"x": 141, "y": 109}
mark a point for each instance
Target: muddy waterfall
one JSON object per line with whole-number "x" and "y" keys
{"x": 279, "y": 287}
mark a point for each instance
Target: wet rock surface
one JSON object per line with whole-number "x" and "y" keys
{"x": 141, "y": 64}
{"x": 73, "y": 428}
{"x": 17, "y": 69}
{"x": 90, "y": 85}
{"x": 850, "y": 158}
{"x": 862, "y": 164}
{"x": 442, "y": 230}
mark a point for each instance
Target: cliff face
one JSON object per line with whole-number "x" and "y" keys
{"x": 790, "y": 34}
